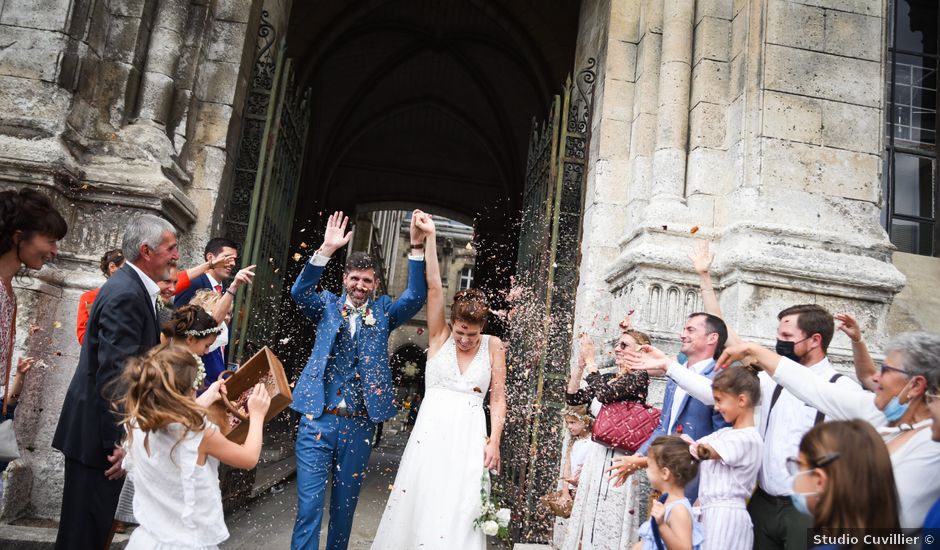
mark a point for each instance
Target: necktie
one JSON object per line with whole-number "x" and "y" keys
{"x": 218, "y": 289}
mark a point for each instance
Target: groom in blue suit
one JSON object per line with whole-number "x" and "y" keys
{"x": 703, "y": 339}
{"x": 346, "y": 389}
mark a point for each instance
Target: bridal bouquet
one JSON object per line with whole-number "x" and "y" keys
{"x": 494, "y": 521}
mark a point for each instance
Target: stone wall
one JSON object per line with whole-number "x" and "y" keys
{"x": 758, "y": 124}
{"x": 113, "y": 108}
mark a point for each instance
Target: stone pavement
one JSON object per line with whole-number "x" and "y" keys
{"x": 267, "y": 521}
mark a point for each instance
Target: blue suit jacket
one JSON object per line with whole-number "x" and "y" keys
{"x": 199, "y": 283}
{"x": 325, "y": 308}
{"x": 695, "y": 418}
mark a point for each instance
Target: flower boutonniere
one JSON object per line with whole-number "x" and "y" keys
{"x": 161, "y": 304}
{"x": 368, "y": 319}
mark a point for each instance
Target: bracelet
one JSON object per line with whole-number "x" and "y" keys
{"x": 419, "y": 246}
{"x": 229, "y": 291}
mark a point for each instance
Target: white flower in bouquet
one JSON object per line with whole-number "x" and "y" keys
{"x": 490, "y": 528}
{"x": 502, "y": 517}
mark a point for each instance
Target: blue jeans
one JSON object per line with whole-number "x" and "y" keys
{"x": 325, "y": 445}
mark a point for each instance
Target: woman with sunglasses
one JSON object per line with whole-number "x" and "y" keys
{"x": 843, "y": 478}
{"x": 601, "y": 517}
{"x": 898, "y": 410}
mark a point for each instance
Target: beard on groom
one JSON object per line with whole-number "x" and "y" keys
{"x": 346, "y": 388}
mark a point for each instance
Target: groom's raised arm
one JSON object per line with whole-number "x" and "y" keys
{"x": 304, "y": 291}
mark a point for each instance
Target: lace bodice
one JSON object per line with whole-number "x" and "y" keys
{"x": 443, "y": 370}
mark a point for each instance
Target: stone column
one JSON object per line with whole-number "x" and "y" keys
{"x": 166, "y": 40}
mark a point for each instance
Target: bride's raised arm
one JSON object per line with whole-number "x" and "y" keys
{"x": 438, "y": 331}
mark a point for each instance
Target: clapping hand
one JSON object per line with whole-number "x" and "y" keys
{"x": 849, "y": 326}
{"x": 335, "y": 236}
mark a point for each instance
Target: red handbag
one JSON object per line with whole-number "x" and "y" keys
{"x": 625, "y": 425}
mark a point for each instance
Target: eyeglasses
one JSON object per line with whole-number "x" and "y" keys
{"x": 895, "y": 369}
{"x": 794, "y": 467}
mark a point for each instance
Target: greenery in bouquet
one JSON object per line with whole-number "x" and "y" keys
{"x": 493, "y": 520}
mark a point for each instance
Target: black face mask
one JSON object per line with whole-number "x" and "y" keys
{"x": 785, "y": 349}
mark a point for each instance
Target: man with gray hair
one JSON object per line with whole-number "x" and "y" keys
{"x": 122, "y": 324}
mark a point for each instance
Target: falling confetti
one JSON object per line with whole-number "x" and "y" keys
{"x": 297, "y": 256}
{"x": 694, "y": 229}
{"x": 56, "y": 324}
{"x": 665, "y": 227}
{"x": 304, "y": 245}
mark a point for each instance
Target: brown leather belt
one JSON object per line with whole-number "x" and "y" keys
{"x": 344, "y": 412}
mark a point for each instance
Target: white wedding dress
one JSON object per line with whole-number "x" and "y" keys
{"x": 436, "y": 495}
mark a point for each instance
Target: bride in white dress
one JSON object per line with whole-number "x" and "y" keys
{"x": 436, "y": 495}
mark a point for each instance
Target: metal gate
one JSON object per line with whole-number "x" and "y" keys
{"x": 547, "y": 270}
{"x": 264, "y": 193}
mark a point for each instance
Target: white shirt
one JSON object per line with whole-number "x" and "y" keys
{"x": 212, "y": 282}
{"x": 680, "y": 394}
{"x": 149, "y": 285}
{"x": 915, "y": 463}
{"x": 791, "y": 418}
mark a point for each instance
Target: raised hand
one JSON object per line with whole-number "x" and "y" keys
{"x": 743, "y": 352}
{"x": 425, "y": 224}
{"x": 849, "y": 326}
{"x": 243, "y": 277}
{"x": 221, "y": 259}
{"x": 417, "y": 235}
{"x": 649, "y": 358}
{"x": 24, "y": 364}
{"x": 702, "y": 257}
{"x": 586, "y": 349}
{"x": 627, "y": 323}
{"x": 335, "y": 236}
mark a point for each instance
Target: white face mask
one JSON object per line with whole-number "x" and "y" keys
{"x": 221, "y": 339}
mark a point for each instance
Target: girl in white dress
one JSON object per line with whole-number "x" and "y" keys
{"x": 173, "y": 452}
{"x": 731, "y": 459}
{"x": 436, "y": 494}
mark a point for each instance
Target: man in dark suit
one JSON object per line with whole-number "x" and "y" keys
{"x": 122, "y": 324}
{"x": 215, "y": 278}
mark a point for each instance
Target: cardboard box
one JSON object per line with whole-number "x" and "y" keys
{"x": 245, "y": 378}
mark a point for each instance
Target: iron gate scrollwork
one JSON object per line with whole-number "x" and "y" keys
{"x": 264, "y": 193}
{"x": 547, "y": 271}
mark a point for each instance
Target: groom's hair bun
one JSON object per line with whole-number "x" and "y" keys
{"x": 358, "y": 261}
{"x": 470, "y": 306}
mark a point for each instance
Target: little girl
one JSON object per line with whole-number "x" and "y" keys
{"x": 578, "y": 423}
{"x": 174, "y": 452}
{"x": 731, "y": 459}
{"x": 670, "y": 469}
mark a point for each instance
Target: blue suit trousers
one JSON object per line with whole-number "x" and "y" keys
{"x": 335, "y": 445}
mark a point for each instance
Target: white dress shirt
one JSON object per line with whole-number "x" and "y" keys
{"x": 915, "y": 463}
{"x": 149, "y": 284}
{"x": 213, "y": 283}
{"x": 680, "y": 394}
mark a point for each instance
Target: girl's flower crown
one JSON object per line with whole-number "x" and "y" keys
{"x": 200, "y": 333}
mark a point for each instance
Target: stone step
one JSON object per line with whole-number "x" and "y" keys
{"x": 26, "y": 537}
{"x": 272, "y": 473}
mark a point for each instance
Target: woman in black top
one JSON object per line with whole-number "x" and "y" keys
{"x": 602, "y": 516}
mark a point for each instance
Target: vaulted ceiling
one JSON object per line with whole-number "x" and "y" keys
{"x": 426, "y": 102}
